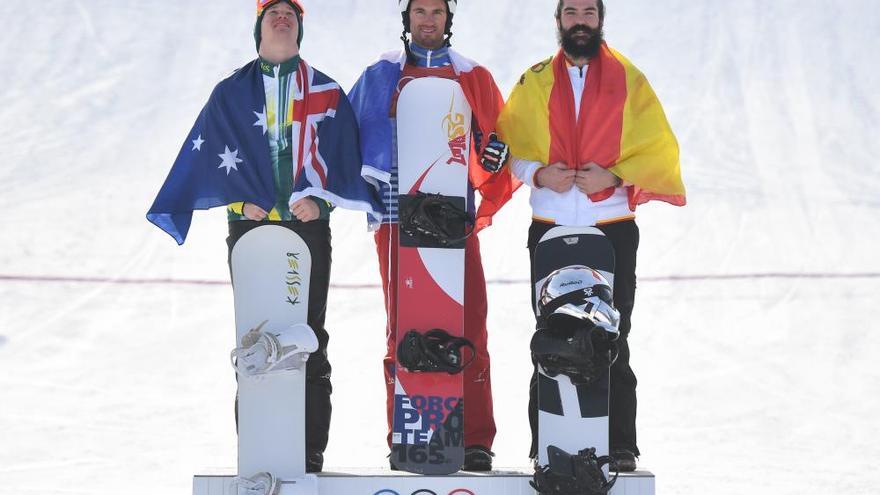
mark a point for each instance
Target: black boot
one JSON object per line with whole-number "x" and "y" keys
{"x": 625, "y": 459}
{"x": 314, "y": 462}
{"x": 477, "y": 458}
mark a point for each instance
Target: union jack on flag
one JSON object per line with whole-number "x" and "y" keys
{"x": 226, "y": 157}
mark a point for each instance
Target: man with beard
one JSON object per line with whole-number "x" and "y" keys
{"x": 589, "y": 137}
{"x": 374, "y": 99}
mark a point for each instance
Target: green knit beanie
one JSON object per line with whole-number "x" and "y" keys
{"x": 258, "y": 25}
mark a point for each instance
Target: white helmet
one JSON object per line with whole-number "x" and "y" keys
{"x": 404, "y": 5}
{"x": 577, "y": 325}
{"x": 580, "y": 293}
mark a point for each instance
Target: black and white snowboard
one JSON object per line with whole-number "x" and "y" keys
{"x": 572, "y": 417}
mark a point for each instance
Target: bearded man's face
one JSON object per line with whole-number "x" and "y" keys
{"x": 579, "y": 24}
{"x": 580, "y": 40}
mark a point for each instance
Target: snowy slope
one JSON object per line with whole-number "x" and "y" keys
{"x": 755, "y": 368}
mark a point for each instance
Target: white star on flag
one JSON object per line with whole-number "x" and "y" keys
{"x": 197, "y": 143}
{"x": 261, "y": 121}
{"x": 230, "y": 160}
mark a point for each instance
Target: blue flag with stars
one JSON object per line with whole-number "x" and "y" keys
{"x": 225, "y": 158}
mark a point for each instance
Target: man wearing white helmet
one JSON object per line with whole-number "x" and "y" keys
{"x": 427, "y": 53}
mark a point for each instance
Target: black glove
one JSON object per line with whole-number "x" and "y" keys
{"x": 495, "y": 155}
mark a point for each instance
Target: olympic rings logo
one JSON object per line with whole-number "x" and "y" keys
{"x": 425, "y": 491}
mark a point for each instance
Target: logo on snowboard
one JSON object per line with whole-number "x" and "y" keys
{"x": 454, "y": 125}
{"x": 293, "y": 279}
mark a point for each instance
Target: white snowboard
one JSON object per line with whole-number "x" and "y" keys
{"x": 271, "y": 266}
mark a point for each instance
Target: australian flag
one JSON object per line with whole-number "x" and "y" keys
{"x": 225, "y": 159}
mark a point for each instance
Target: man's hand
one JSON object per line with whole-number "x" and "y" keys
{"x": 556, "y": 177}
{"x": 253, "y": 212}
{"x": 495, "y": 155}
{"x": 592, "y": 178}
{"x": 305, "y": 210}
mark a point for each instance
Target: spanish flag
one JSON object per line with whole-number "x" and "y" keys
{"x": 621, "y": 126}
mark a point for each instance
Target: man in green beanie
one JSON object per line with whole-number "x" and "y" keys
{"x": 286, "y": 138}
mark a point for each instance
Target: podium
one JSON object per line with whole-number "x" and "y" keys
{"x": 386, "y": 482}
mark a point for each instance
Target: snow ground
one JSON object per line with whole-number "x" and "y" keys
{"x": 759, "y": 384}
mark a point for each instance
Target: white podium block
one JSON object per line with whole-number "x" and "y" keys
{"x": 385, "y": 482}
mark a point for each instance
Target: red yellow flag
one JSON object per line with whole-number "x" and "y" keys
{"x": 621, "y": 125}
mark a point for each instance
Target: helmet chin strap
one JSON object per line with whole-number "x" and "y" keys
{"x": 409, "y": 55}
{"x": 406, "y": 41}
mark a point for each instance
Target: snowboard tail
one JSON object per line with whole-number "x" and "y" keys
{"x": 428, "y": 435}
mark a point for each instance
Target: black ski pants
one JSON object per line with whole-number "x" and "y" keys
{"x": 624, "y": 236}
{"x": 316, "y": 235}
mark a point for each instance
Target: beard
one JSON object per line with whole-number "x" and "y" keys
{"x": 433, "y": 42}
{"x": 579, "y": 47}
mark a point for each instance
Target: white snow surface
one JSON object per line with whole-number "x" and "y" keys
{"x": 756, "y": 372}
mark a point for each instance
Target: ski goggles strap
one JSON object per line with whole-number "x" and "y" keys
{"x": 599, "y": 310}
{"x": 265, "y": 4}
{"x": 576, "y": 298}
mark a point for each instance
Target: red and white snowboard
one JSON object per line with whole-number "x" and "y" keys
{"x": 433, "y": 136}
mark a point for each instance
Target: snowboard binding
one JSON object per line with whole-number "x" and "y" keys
{"x": 259, "y": 484}
{"x": 264, "y": 352}
{"x": 583, "y": 353}
{"x": 579, "y": 474}
{"x": 436, "y": 218}
{"x": 434, "y": 350}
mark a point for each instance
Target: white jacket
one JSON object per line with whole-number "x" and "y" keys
{"x": 571, "y": 207}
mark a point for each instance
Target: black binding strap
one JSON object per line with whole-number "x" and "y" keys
{"x": 583, "y": 355}
{"x": 434, "y": 220}
{"x": 434, "y": 350}
{"x": 579, "y": 474}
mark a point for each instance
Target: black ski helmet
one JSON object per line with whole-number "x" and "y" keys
{"x": 450, "y": 12}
